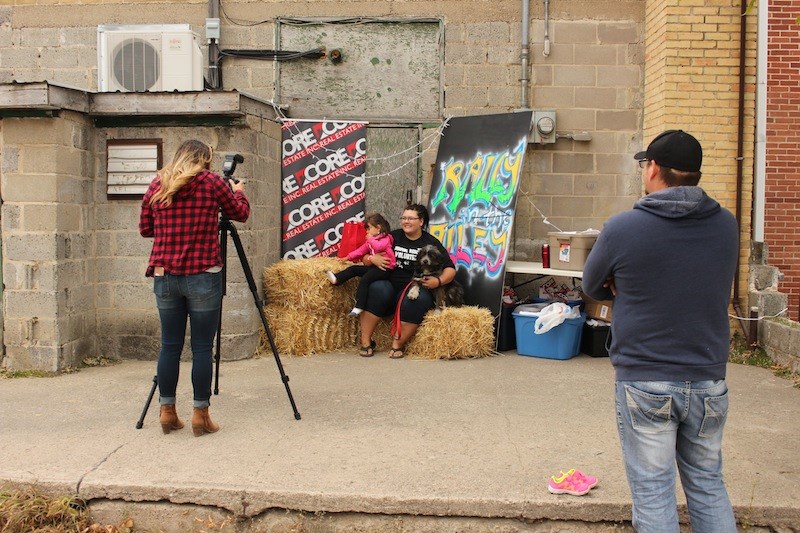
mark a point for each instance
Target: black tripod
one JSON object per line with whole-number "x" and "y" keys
{"x": 226, "y": 227}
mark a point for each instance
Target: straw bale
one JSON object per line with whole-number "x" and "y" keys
{"x": 454, "y": 333}
{"x": 299, "y": 332}
{"x": 307, "y": 315}
{"x": 302, "y": 284}
{"x": 382, "y": 335}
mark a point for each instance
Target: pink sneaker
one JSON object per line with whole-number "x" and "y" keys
{"x": 579, "y": 477}
{"x": 567, "y": 485}
{"x": 586, "y": 478}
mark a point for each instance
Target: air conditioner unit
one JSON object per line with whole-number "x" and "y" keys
{"x": 138, "y": 58}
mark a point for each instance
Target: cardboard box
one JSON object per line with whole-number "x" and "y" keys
{"x": 598, "y": 309}
{"x": 561, "y": 342}
{"x": 569, "y": 249}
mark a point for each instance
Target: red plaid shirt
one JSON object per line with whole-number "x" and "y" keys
{"x": 187, "y": 231}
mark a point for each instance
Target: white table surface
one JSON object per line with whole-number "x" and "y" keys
{"x": 530, "y": 267}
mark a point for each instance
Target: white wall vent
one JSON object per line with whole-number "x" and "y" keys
{"x": 138, "y": 58}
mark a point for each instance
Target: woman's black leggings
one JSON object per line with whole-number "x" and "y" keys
{"x": 369, "y": 275}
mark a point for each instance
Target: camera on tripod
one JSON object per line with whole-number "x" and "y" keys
{"x": 229, "y": 166}
{"x": 226, "y": 227}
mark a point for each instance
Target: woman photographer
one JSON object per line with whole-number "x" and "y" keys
{"x": 383, "y": 296}
{"x": 181, "y": 210}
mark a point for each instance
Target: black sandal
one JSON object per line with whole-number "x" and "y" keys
{"x": 396, "y": 353}
{"x": 367, "y": 351}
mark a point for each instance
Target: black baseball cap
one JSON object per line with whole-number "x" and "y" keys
{"x": 674, "y": 149}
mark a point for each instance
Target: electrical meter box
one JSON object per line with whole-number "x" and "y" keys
{"x": 543, "y": 127}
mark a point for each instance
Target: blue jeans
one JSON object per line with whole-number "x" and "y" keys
{"x": 664, "y": 423}
{"x": 199, "y": 297}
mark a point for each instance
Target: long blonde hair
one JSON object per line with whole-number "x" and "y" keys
{"x": 190, "y": 159}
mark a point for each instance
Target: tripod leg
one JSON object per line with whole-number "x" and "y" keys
{"x": 223, "y": 246}
{"x": 140, "y": 423}
{"x": 216, "y": 356}
{"x": 260, "y": 308}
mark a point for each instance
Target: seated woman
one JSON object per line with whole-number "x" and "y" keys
{"x": 384, "y": 294}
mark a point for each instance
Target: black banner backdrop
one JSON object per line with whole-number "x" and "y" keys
{"x": 473, "y": 197}
{"x": 322, "y": 173}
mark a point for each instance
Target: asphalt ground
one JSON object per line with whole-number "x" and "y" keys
{"x": 467, "y": 438}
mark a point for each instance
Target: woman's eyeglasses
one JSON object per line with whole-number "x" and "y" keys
{"x": 409, "y": 219}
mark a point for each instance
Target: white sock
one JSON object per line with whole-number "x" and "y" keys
{"x": 332, "y": 277}
{"x": 355, "y": 311}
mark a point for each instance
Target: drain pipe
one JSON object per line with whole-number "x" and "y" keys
{"x": 760, "y": 174}
{"x": 740, "y": 159}
{"x": 525, "y": 54}
{"x": 212, "y": 36}
{"x": 546, "y": 51}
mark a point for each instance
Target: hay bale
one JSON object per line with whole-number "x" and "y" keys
{"x": 302, "y": 284}
{"x": 454, "y": 333}
{"x": 382, "y": 335}
{"x": 298, "y": 332}
{"x": 307, "y": 315}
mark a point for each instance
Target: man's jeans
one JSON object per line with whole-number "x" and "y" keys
{"x": 199, "y": 297}
{"x": 663, "y": 423}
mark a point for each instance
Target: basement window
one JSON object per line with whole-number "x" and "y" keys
{"x": 130, "y": 165}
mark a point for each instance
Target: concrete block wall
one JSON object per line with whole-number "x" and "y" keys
{"x": 56, "y": 41}
{"x": 593, "y": 78}
{"x": 614, "y": 68}
{"x": 128, "y": 324}
{"x": 692, "y": 83}
{"x": 780, "y": 338}
{"x": 73, "y": 262}
{"x": 257, "y": 77}
{"x": 48, "y": 243}
{"x": 127, "y": 320}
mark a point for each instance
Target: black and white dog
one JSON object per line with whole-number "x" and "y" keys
{"x": 430, "y": 262}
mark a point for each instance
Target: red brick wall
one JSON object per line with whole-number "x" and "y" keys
{"x": 782, "y": 188}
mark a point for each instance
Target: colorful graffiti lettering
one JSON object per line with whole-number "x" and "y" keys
{"x": 477, "y": 196}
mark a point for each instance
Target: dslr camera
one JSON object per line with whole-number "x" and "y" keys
{"x": 229, "y": 166}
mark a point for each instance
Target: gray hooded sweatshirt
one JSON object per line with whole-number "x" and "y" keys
{"x": 673, "y": 259}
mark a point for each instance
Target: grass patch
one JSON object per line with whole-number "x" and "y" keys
{"x": 8, "y": 374}
{"x": 25, "y": 510}
{"x": 743, "y": 354}
{"x": 786, "y": 322}
{"x": 99, "y": 361}
{"x": 89, "y": 362}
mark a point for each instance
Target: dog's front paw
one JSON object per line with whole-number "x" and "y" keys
{"x": 413, "y": 292}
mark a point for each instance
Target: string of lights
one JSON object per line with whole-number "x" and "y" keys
{"x": 781, "y": 313}
{"x": 544, "y": 218}
{"x": 431, "y": 139}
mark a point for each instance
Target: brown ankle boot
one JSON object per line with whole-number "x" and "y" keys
{"x": 202, "y": 423}
{"x": 169, "y": 419}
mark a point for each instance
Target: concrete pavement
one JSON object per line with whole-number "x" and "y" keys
{"x": 474, "y": 440}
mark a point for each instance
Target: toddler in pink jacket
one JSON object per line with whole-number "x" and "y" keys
{"x": 378, "y": 242}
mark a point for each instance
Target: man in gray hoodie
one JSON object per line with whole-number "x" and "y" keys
{"x": 669, "y": 265}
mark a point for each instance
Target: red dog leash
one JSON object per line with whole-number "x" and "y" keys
{"x": 396, "y": 327}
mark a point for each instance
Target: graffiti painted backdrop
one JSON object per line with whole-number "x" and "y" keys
{"x": 473, "y": 197}
{"x": 322, "y": 175}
